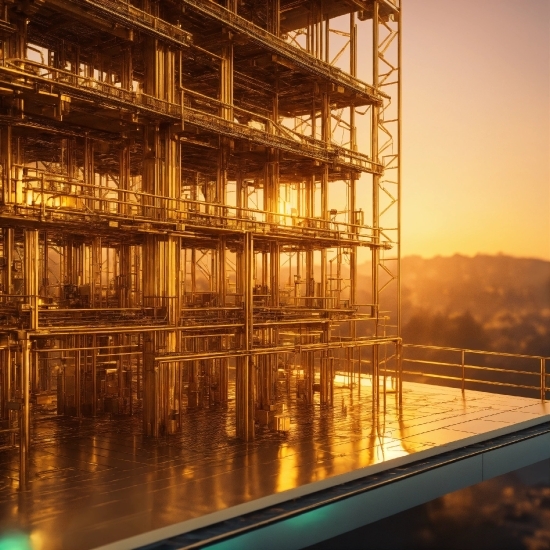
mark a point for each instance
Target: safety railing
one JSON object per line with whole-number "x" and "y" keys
{"x": 85, "y": 87}
{"x": 507, "y": 373}
{"x": 53, "y": 195}
{"x": 205, "y": 111}
{"x": 198, "y": 109}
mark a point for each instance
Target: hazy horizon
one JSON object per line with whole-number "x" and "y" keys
{"x": 492, "y": 255}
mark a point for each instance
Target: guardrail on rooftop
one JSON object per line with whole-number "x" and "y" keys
{"x": 511, "y": 373}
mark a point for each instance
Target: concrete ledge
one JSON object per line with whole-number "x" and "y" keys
{"x": 345, "y": 515}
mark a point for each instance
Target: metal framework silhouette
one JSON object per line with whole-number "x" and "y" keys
{"x": 188, "y": 189}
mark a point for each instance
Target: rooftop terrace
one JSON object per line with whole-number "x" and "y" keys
{"x": 95, "y": 482}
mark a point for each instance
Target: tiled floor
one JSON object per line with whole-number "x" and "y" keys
{"x": 95, "y": 482}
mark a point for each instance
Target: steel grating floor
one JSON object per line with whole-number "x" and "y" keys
{"x": 94, "y": 482}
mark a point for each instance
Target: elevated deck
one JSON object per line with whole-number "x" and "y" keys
{"x": 97, "y": 482}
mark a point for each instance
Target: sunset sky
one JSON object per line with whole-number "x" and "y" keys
{"x": 476, "y": 120}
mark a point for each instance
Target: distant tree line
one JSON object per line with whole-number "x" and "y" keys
{"x": 529, "y": 335}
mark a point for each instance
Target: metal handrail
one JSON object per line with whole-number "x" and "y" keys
{"x": 170, "y": 210}
{"x": 542, "y": 374}
{"x": 280, "y": 137}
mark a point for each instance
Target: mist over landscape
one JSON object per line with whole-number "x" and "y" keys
{"x": 496, "y": 303}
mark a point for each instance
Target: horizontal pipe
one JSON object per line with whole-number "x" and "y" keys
{"x": 273, "y": 350}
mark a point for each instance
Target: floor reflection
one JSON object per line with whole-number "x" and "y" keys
{"x": 95, "y": 481}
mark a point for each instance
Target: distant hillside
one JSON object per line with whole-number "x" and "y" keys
{"x": 484, "y": 285}
{"x": 484, "y": 302}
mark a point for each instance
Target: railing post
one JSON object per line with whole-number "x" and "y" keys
{"x": 462, "y": 353}
{"x": 399, "y": 374}
{"x": 542, "y": 379}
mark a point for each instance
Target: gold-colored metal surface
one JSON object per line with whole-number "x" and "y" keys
{"x": 188, "y": 191}
{"x": 183, "y": 192}
{"x": 95, "y": 481}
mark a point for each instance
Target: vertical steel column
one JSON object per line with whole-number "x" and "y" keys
{"x": 161, "y": 254}
{"x": 222, "y": 272}
{"x": 17, "y": 168}
{"x": 326, "y": 377}
{"x": 119, "y": 346}
{"x": 89, "y": 171}
{"x": 249, "y": 331}
{"x": 4, "y": 369}
{"x": 275, "y": 263}
{"x": 77, "y": 376}
{"x": 6, "y": 161}
{"x": 124, "y": 275}
{"x": 9, "y": 386}
{"x": 399, "y": 193}
{"x": 352, "y": 205}
{"x": 139, "y": 370}
{"x": 375, "y": 256}
{"x": 32, "y": 274}
{"x": 94, "y": 375}
{"x": 150, "y": 267}
{"x": 244, "y": 397}
{"x": 180, "y": 396}
{"x": 25, "y": 422}
{"x": 172, "y": 249}
{"x": 226, "y": 78}
{"x": 95, "y": 273}
{"x": 8, "y": 234}
{"x": 150, "y": 389}
{"x": 310, "y": 364}
{"x": 274, "y": 17}
{"x": 44, "y": 280}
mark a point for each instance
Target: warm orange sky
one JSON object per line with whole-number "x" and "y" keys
{"x": 476, "y": 120}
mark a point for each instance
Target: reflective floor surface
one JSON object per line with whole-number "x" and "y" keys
{"x": 93, "y": 482}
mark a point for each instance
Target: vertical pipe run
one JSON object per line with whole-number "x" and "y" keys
{"x": 352, "y": 205}
{"x": 6, "y": 161}
{"x": 94, "y": 375}
{"x": 24, "y": 443}
{"x": 8, "y": 255}
{"x": 32, "y": 274}
{"x": 77, "y": 374}
{"x": 150, "y": 401}
{"x": 399, "y": 181}
{"x": 375, "y": 254}
{"x": 245, "y": 370}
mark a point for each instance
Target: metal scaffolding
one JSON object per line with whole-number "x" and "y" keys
{"x": 188, "y": 189}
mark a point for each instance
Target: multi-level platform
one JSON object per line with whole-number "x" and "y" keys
{"x": 188, "y": 188}
{"x": 183, "y": 193}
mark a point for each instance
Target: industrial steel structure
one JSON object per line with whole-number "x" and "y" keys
{"x": 188, "y": 188}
